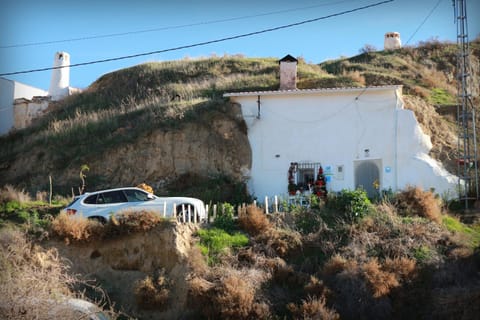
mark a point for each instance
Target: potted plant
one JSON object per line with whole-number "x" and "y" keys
{"x": 292, "y": 188}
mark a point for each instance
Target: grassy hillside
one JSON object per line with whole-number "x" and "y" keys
{"x": 128, "y": 107}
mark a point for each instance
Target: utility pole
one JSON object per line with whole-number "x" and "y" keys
{"x": 467, "y": 137}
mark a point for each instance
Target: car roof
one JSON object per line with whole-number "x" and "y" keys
{"x": 115, "y": 189}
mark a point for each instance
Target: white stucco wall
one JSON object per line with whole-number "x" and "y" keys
{"x": 26, "y": 111}
{"x": 335, "y": 127}
{"x": 9, "y": 91}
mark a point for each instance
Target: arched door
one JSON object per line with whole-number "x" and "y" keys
{"x": 367, "y": 176}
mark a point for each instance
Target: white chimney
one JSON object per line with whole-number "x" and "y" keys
{"x": 60, "y": 81}
{"x": 288, "y": 73}
{"x": 392, "y": 41}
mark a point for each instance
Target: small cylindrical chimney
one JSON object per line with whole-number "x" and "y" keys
{"x": 392, "y": 41}
{"x": 60, "y": 81}
{"x": 288, "y": 73}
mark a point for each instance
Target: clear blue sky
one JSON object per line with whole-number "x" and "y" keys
{"x": 186, "y": 22}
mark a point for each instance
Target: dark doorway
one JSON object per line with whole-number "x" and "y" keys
{"x": 367, "y": 176}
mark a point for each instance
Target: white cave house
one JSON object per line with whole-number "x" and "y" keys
{"x": 358, "y": 137}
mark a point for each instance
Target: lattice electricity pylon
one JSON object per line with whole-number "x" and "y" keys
{"x": 466, "y": 118}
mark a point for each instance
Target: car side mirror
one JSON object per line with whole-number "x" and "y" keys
{"x": 150, "y": 196}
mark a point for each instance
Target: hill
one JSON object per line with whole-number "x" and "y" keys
{"x": 167, "y": 124}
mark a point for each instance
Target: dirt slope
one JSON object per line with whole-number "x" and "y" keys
{"x": 119, "y": 264}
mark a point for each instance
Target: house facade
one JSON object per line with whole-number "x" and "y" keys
{"x": 20, "y": 104}
{"x": 355, "y": 137}
{"x": 11, "y": 94}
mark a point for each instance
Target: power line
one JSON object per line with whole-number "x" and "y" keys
{"x": 423, "y": 22}
{"x": 201, "y": 43}
{"x": 101, "y": 36}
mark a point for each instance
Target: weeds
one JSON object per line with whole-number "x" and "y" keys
{"x": 214, "y": 242}
{"x": 313, "y": 308}
{"x": 153, "y": 292}
{"x": 34, "y": 283}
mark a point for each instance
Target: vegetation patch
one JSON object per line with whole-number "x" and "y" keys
{"x": 36, "y": 283}
{"x": 413, "y": 201}
{"x": 153, "y": 292}
{"x": 215, "y": 242}
{"x": 76, "y": 228}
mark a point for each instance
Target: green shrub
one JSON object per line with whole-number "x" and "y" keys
{"x": 215, "y": 241}
{"x": 224, "y": 219}
{"x": 307, "y": 220}
{"x": 471, "y": 234}
{"x": 350, "y": 205}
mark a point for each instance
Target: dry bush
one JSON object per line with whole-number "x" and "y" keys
{"x": 34, "y": 283}
{"x": 313, "y": 308}
{"x": 9, "y": 193}
{"x": 415, "y": 202}
{"x": 197, "y": 261}
{"x": 153, "y": 292}
{"x": 356, "y": 76}
{"x": 379, "y": 280}
{"x": 235, "y": 298}
{"x": 280, "y": 242}
{"x": 76, "y": 228}
{"x": 130, "y": 221}
{"x": 316, "y": 288}
{"x": 403, "y": 268}
{"x": 337, "y": 264}
{"x": 254, "y": 221}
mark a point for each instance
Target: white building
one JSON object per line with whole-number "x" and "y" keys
{"x": 359, "y": 136}
{"x": 21, "y": 103}
{"x": 10, "y": 91}
{"x": 392, "y": 41}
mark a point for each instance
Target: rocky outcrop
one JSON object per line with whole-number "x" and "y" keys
{"x": 119, "y": 264}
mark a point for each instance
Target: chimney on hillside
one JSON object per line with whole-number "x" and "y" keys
{"x": 392, "y": 41}
{"x": 288, "y": 73}
{"x": 60, "y": 81}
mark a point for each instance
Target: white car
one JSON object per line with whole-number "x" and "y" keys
{"x": 100, "y": 205}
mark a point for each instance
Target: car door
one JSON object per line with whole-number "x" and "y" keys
{"x": 141, "y": 200}
{"x": 109, "y": 202}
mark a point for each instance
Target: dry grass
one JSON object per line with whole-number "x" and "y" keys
{"x": 76, "y": 228}
{"x": 134, "y": 221}
{"x": 9, "y": 193}
{"x": 253, "y": 220}
{"x": 415, "y": 202}
{"x": 228, "y": 295}
{"x": 379, "y": 280}
{"x": 34, "y": 283}
{"x": 337, "y": 264}
{"x": 281, "y": 242}
{"x": 313, "y": 308}
{"x": 153, "y": 292}
{"x": 235, "y": 298}
{"x": 404, "y": 268}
